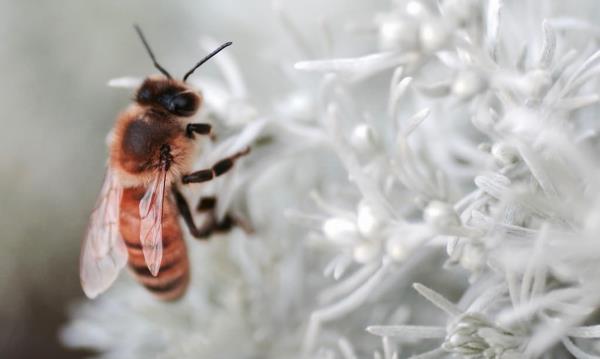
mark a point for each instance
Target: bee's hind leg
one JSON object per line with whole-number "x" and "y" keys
{"x": 210, "y": 225}
{"x": 208, "y": 205}
{"x": 184, "y": 210}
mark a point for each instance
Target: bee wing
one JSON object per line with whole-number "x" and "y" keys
{"x": 103, "y": 253}
{"x": 151, "y": 212}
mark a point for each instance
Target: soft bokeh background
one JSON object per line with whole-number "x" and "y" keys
{"x": 56, "y": 58}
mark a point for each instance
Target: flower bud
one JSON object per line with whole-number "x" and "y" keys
{"x": 364, "y": 138}
{"x": 396, "y": 249}
{"x": 365, "y": 252}
{"x": 466, "y": 84}
{"x": 368, "y": 221}
{"x": 340, "y": 230}
{"x": 433, "y": 35}
{"x": 441, "y": 215}
{"x": 397, "y": 34}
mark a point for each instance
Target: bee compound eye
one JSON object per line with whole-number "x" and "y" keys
{"x": 184, "y": 105}
{"x": 181, "y": 102}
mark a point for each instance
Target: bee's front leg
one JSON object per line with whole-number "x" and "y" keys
{"x": 199, "y": 128}
{"x": 218, "y": 169}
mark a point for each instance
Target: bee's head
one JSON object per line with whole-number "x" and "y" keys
{"x": 174, "y": 96}
{"x": 171, "y": 95}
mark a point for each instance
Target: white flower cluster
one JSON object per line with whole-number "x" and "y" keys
{"x": 470, "y": 128}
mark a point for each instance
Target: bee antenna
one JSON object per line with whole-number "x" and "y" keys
{"x": 156, "y": 64}
{"x": 206, "y": 58}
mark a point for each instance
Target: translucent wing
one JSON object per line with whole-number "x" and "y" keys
{"x": 151, "y": 212}
{"x": 103, "y": 253}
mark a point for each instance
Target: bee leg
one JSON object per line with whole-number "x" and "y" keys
{"x": 208, "y": 204}
{"x": 218, "y": 169}
{"x": 184, "y": 210}
{"x": 229, "y": 221}
{"x": 199, "y": 128}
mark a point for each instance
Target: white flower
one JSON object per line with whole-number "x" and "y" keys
{"x": 460, "y": 124}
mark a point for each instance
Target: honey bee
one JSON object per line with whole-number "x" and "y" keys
{"x": 135, "y": 219}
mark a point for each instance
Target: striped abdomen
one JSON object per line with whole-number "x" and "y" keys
{"x": 173, "y": 276}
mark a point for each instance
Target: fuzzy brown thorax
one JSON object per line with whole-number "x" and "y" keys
{"x": 156, "y": 119}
